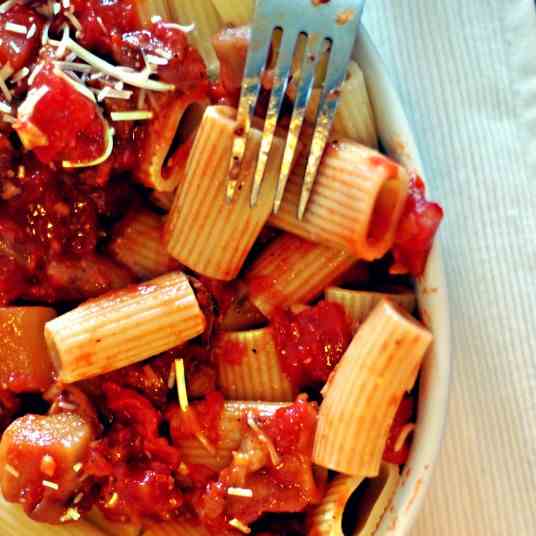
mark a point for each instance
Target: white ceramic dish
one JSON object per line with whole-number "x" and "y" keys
{"x": 397, "y": 138}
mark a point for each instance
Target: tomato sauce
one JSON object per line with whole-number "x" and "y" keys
{"x": 311, "y": 343}
{"x": 416, "y": 231}
{"x": 18, "y": 49}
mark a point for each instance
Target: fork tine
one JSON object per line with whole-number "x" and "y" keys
{"x": 256, "y": 62}
{"x": 327, "y": 107}
{"x": 284, "y": 64}
{"x": 313, "y": 52}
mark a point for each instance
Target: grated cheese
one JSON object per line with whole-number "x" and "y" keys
{"x": 32, "y": 31}
{"x": 77, "y": 467}
{"x": 404, "y": 433}
{"x": 44, "y": 34}
{"x": 19, "y": 75}
{"x": 173, "y": 25}
{"x": 237, "y": 524}
{"x": 155, "y": 60}
{"x": 6, "y": 6}
{"x": 111, "y": 93}
{"x": 16, "y": 28}
{"x": 74, "y": 66}
{"x": 5, "y": 72}
{"x": 83, "y": 90}
{"x": 240, "y": 492}
{"x": 72, "y": 514}
{"x": 156, "y": 18}
{"x": 264, "y": 439}
{"x": 133, "y": 78}
{"x": 206, "y": 443}
{"x": 67, "y": 405}
{"x": 11, "y": 470}
{"x": 181, "y": 384}
{"x": 62, "y": 45}
{"x": 134, "y": 115}
{"x": 51, "y": 485}
{"x": 105, "y": 155}
{"x": 35, "y": 72}
{"x": 70, "y": 16}
{"x": 113, "y": 500}
{"x": 78, "y": 498}
{"x": 34, "y": 96}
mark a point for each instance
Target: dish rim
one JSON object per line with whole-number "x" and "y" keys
{"x": 398, "y": 139}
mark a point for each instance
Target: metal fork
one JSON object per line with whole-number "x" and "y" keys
{"x": 333, "y": 22}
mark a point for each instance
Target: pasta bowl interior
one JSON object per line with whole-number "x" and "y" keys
{"x": 178, "y": 363}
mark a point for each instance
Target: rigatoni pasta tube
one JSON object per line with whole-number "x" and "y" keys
{"x": 15, "y": 522}
{"x": 249, "y": 367}
{"x": 25, "y": 365}
{"x": 180, "y": 527}
{"x": 158, "y": 167}
{"x": 204, "y": 232}
{"x": 138, "y": 243}
{"x": 375, "y": 495}
{"x": 235, "y": 12}
{"x": 206, "y": 20}
{"x": 354, "y": 119}
{"x": 356, "y": 202}
{"x": 358, "y": 304}
{"x": 231, "y": 428}
{"x": 124, "y": 327}
{"x": 365, "y": 390}
{"x": 292, "y": 270}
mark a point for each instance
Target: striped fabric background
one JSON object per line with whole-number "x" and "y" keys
{"x": 466, "y": 70}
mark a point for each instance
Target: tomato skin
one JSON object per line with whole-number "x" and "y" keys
{"x": 312, "y": 342}
{"x": 416, "y": 231}
{"x": 403, "y": 416}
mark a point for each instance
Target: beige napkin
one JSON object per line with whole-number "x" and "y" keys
{"x": 466, "y": 70}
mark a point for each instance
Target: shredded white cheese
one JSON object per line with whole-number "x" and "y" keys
{"x": 73, "y": 66}
{"x": 109, "y": 135}
{"x": 181, "y": 383}
{"x": 186, "y": 29}
{"x": 44, "y": 34}
{"x": 16, "y": 28}
{"x": 62, "y": 46}
{"x": 11, "y": 470}
{"x": 72, "y": 514}
{"x": 77, "y": 467}
{"x": 34, "y": 96}
{"x": 6, "y": 6}
{"x": 134, "y": 115}
{"x": 274, "y": 456}
{"x": 19, "y": 75}
{"x": 240, "y": 492}
{"x": 51, "y": 485}
{"x": 83, "y": 90}
{"x": 5, "y": 72}
{"x": 35, "y": 72}
{"x": 136, "y": 79}
{"x": 156, "y": 60}
{"x": 237, "y": 524}
{"x": 404, "y": 433}
{"x": 32, "y": 31}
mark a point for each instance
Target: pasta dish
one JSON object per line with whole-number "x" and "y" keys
{"x": 175, "y": 364}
